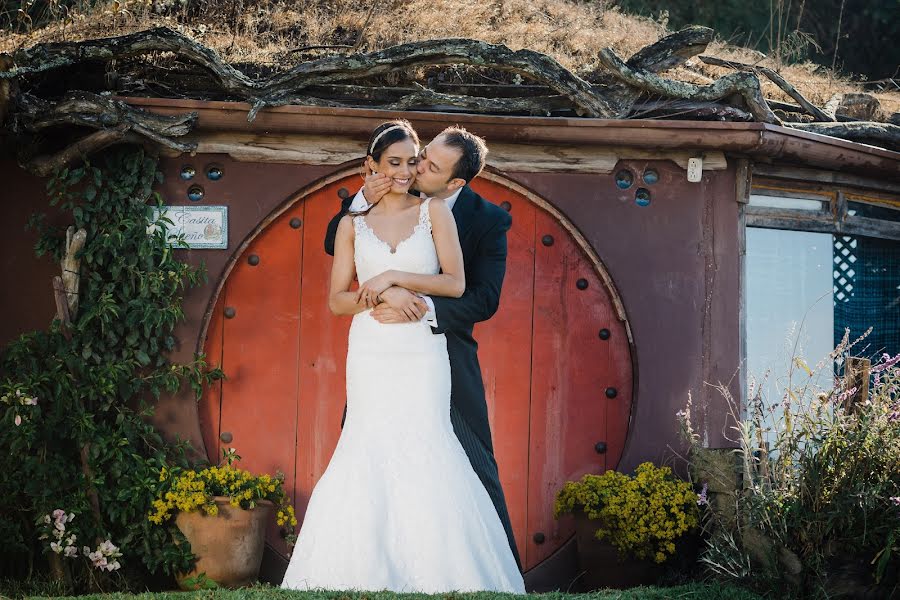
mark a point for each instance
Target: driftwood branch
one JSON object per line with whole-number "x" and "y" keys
{"x": 743, "y": 83}
{"x": 46, "y": 57}
{"x": 426, "y": 97}
{"x": 777, "y": 79}
{"x": 114, "y": 120}
{"x": 279, "y": 88}
{"x": 882, "y": 134}
{"x": 96, "y": 111}
{"x": 626, "y": 89}
{"x": 685, "y": 109}
{"x": 45, "y": 165}
{"x": 672, "y": 50}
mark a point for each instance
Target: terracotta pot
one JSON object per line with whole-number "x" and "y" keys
{"x": 602, "y": 567}
{"x": 228, "y": 546}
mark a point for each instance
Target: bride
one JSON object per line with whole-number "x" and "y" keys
{"x": 399, "y": 507}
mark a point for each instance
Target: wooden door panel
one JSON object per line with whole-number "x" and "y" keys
{"x": 570, "y": 366}
{"x": 505, "y": 356}
{"x": 260, "y": 355}
{"x": 323, "y": 352}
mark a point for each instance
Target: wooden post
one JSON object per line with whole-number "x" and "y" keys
{"x": 71, "y": 267}
{"x": 856, "y": 375}
{"x": 62, "y": 306}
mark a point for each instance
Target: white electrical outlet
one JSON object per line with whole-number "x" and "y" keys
{"x": 695, "y": 170}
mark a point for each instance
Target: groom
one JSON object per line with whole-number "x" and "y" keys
{"x": 446, "y": 166}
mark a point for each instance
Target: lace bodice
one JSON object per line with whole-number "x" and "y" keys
{"x": 414, "y": 254}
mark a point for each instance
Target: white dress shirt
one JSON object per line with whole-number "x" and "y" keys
{"x": 360, "y": 203}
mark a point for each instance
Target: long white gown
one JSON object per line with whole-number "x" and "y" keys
{"x": 399, "y": 507}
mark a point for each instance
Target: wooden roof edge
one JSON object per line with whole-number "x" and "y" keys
{"x": 757, "y": 140}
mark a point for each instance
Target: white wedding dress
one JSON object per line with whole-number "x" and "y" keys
{"x": 399, "y": 507}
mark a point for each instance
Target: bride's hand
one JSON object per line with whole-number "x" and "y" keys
{"x": 405, "y": 302}
{"x": 370, "y": 290}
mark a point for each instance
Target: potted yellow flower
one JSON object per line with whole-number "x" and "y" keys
{"x": 627, "y": 526}
{"x": 223, "y": 512}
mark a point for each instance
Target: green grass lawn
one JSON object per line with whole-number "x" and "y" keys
{"x": 694, "y": 591}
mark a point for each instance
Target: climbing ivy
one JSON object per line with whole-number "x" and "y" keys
{"x": 75, "y": 400}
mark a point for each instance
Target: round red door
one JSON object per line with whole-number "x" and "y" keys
{"x": 556, "y": 360}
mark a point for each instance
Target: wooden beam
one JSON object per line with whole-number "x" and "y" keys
{"x": 820, "y": 221}
{"x": 334, "y": 150}
{"x": 800, "y": 174}
{"x": 743, "y": 181}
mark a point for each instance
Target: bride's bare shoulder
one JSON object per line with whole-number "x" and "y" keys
{"x": 345, "y": 226}
{"x": 439, "y": 213}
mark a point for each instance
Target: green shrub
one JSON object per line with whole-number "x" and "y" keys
{"x": 75, "y": 402}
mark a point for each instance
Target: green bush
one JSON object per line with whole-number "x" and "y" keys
{"x": 78, "y": 456}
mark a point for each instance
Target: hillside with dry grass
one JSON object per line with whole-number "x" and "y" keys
{"x": 263, "y": 36}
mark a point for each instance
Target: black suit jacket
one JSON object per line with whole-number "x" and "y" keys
{"x": 482, "y": 230}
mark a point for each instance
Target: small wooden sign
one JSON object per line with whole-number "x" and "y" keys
{"x": 202, "y": 226}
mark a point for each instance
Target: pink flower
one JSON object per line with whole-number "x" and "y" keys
{"x": 18, "y": 420}
{"x": 895, "y": 500}
{"x": 30, "y": 402}
{"x": 58, "y": 513}
{"x": 70, "y": 551}
{"x": 845, "y": 395}
{"x": 886, "y": 362}
{"x": 97, "y": 558}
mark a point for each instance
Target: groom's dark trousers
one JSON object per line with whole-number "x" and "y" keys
{"x": 482, "y": 230}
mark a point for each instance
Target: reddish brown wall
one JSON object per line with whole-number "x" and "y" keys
{"x": 675, "y": 264}
{"x": 26, "y": 302}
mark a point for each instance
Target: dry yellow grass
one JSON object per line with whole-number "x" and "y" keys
{"x": 265, "y": 31}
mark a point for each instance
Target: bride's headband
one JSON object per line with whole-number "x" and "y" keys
{"x": 378, "y": 137}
